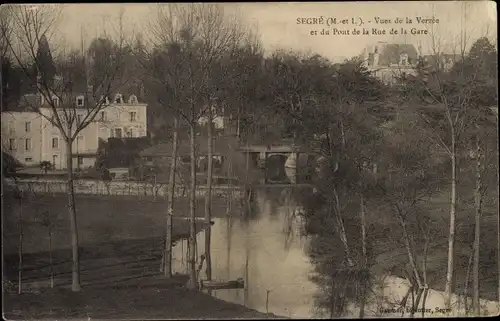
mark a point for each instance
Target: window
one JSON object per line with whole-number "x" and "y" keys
{"x": 80, "y": 161}
{"x": 79, "y": 143}
{"x": 12, "y": 144}
{"x": 130, "y": 133}
{"x": 104, "y": 100}
{"x": 118, "y": 99}
{"x": 28, "y": 159}
{"x": 27, "y": 126}
{"x": 79, "y": 101}
{"x": 103, "y": 116}
{"x": 132, "y": 99}
{"x": 12, "y": 128}
{"x": 27, "y": 144}
{"x": 56, "y": 101}
{"x": 55, "y": 142}
{"x": 118, "y": 132}
{"x": 403, "y": 59}
{"x": 133, "y": 116}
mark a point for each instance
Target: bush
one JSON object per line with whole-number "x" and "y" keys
{"x": 105, "y": 175}
{"x": 46, "y": 166}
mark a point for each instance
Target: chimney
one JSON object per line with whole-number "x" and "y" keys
{"x": 366, "y": 54}
{"x": 376, "y": 53}
{"x": 375, "y": 58}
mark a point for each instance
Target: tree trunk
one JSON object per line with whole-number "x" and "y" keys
{"x": 332, "y": 294}
{"x": 20, "y": 249}
{"x": 451, "y": 237}
{"x": 167, "y": 265}
{"x": 340, "y": 226}
{"x": 406, "y": 239}
{"x": 478, "y": 205}
{"x": 192, "y": 229}
{"x": 238, "y": 124}
{"x": 208, "y": 200}
{"x": 228, "y": 246}
{"x": 75, "y": 284}
{"x": 247, "y": 258}
{"x": 364, "y": 263}
{"x": 50, "y": 260}
{"x": 424, "y": 272}
{"x": 466, "y": 287}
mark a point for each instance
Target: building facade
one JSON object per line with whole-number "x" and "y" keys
{"x": 390, "y": 61}
{"x": 31, "y": 138}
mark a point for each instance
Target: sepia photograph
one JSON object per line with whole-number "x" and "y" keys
{"x": 279, "y": 160}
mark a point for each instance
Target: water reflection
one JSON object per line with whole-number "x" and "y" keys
{"x": 268, "y": 252}
{"x": 281, "y": 269}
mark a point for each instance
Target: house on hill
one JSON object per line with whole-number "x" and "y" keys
{"x": 390, "y": 61}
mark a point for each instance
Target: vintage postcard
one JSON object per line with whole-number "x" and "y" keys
{"x": 249, "y": 160}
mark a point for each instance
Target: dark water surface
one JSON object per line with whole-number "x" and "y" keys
{"x": 270, "y": 251}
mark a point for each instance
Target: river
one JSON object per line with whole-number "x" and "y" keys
{"x": 270, "y": 252}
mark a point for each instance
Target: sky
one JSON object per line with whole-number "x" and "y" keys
{"x": 278, "y": 27}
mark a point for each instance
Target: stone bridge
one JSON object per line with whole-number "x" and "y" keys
{"x": 294, "y": 157}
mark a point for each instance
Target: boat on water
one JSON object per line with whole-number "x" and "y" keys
{"x": 219, "y": 285}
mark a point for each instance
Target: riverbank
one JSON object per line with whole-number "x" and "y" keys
{"x": 119, "y": 238}
{"x": 391, "y": 256}
{"x": 121, "y": 242}
{"x": 151, "y": 298}
{"x": 100, "y": 220}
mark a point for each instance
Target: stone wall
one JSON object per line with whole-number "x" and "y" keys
{"x": 127, "y": 188}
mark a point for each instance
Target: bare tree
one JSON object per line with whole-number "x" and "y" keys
{"x": 411, "y": 179}
{"x": 5, "y": 30}
{"x": 167, "y": 259}
{"x": 5, "y": 38}
{"x": 445, "y": 91}
{"x": 189, "y": 41}
{"x": 61, "y": 84}
{"x": 208, "y": 198}
{"x": 47, "y": 221}
{"x": 22, "y": 198}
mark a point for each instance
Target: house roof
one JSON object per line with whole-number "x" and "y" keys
{"x": 390, "y": 53}
{"x": 221, "y": 146}
{"x": 29, "y": 101}
{"x": 33, "y": 101}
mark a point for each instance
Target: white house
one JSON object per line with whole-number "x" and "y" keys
{"x": 31, "y": 138}
{"x": 390, "y": 61}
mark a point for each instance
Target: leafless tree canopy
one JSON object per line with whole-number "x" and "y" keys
{"x": 94, "y": 73}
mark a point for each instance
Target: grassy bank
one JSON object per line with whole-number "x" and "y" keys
{"x": 121, "y": 241}
{"x": 101, "y": 220}
{"x": 119, "y": 238}
{"x": 153, "y": 298}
